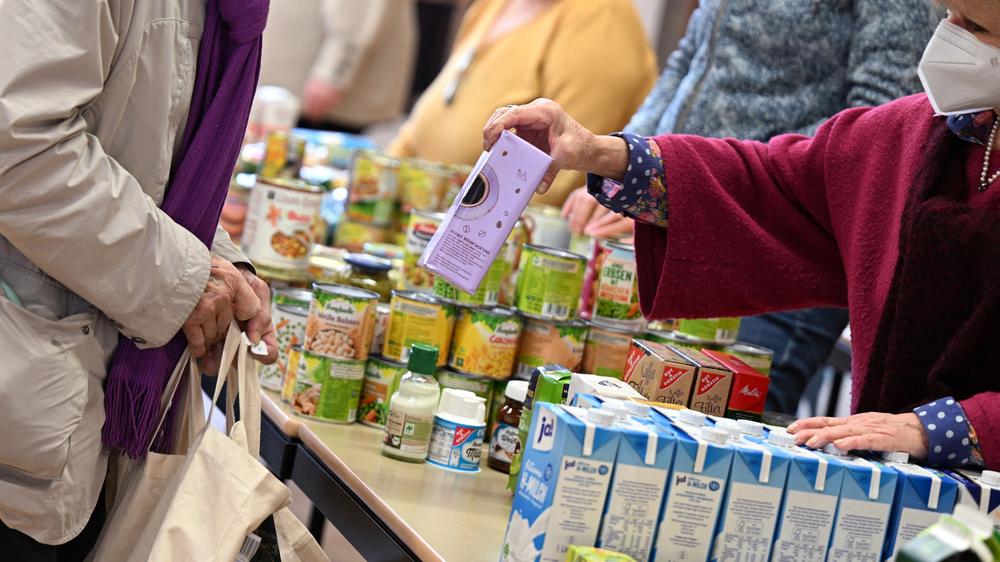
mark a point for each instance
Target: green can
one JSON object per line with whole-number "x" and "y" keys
{"x": 549, "y": 282}
{"x": 381, "y": 381}
{"x": 328, "y": 388}
{"x": 760, "y": 358}
{"x": 488, "y": 293}
{"x": 719, "y": 330}
{"x": 480, "y": 386}
{"x": 682, "y": 341}
{"x": 288, "y": 296}
{"x": 616, "y": 301}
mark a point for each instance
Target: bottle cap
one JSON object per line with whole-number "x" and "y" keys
{"x": 896, "y": 457}
{"x": 781, "y": 438}
{"x": 751, "y": 427}
{"x": 368, "y": 262}
{"x": 636, "y": 409}
{"x": 835, "y": 451}
{"x": 990, "y": 478}
{"x": 615, "y": 406}
{"x": 462, "y": 404}
{"x": 517, "y": 391}
{"x": 731, "y": 427}
{"x": 715, "y": 435}
{"x": 600, "y": 416}
{"x": 691, "y": 417}
{"x": 423, "y": 359}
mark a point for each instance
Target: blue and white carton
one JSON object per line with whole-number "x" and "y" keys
{"x": 865, "y": 508}
{"x": 979, "y": 491}
{"x": 586, "y": 401}
{"x": 638, "y": 488}
{"x": 922, "y": 495}
{"x": 564, "y": 481}
{"x": 752, "y": 502}
{"x": 809, "y": 507}
{"x": 694, "y": 493}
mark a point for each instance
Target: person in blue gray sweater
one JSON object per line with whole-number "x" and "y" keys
{"x": 753, "y": 69}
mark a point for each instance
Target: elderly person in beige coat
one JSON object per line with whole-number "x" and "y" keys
{"x": 93, "y": 98}
{"x": 349, "y": 61}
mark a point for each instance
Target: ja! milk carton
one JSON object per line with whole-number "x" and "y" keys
{"x": 635, "y": 500}
{"x": 922, "y": 495}
{"x": 864, "y": 510}
{"x": 565, "y": 473}
{"x": 979, "y": 491}
{"x": 752, "y": 501}
{"x": 809, "y": 507}
{"x": 695, "y": 490}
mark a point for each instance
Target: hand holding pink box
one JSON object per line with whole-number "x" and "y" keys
{"x": 485, "y": 211}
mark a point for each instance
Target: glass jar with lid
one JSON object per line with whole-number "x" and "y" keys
{"x": 368, "y": 272}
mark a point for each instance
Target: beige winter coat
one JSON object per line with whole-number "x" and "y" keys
{"x": 93, "y": 97}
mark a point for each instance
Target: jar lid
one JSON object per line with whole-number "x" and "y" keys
{"x": 517, "y": 391}
{"x": 369, "y": 262}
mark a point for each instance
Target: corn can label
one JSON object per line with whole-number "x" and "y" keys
{"x": 341, "y": 322}
{"x": 381, "y": 381}
{"x": 415, "y": 321}
{"x": 606, "y": 352}
{"x": 617, "y": 297}
{"x": 289, "y": 330}
{"x": 291, "y": 374}
{"x": 549, "y": 283}
{"x": 485, "y": 343}
{"x": 544, "y": 342}
{"x": 328, "y": 388}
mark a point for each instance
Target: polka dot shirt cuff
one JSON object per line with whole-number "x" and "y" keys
{"x": 642, "y": 193}
{"x": 950, "y": 439}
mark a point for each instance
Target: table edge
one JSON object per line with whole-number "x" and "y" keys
{"x": 288, "y": 425}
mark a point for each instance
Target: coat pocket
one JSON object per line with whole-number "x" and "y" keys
{"x": 44, "y": 374}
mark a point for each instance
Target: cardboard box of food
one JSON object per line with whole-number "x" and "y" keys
{"x": 710, "y": 393}
{"x": 605, "y": 387}
{"x": 749, "y": 389}
{"x": 659, "y": 373}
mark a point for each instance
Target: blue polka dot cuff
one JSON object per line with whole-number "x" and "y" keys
{"x": 642, "y": 193}
{"x": 950, "y": 438}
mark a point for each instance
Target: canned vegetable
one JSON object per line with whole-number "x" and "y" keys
{"x": 289, "y": 330}
{"x": 616, "y": 301}
{"x": 328, "y": 388}
{"x": 606, "y": 350}
{"x": 283, "y": 222}
{"x": 544, "y": 342}
{"x": 381, "y": 380}
{"x": 485, "y": 341}
{"x": 341, "y": 321}
{"x": 549, "y": 282}
{"x": 418, "y": 318}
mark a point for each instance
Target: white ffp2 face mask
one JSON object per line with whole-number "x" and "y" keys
{"x": 960, "y": 73}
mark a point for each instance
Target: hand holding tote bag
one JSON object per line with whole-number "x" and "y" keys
{"x": 202, "y": 502}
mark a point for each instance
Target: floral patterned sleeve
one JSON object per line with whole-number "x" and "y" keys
{"x": 951, "y": 439}
{"x": 642, "y": 193}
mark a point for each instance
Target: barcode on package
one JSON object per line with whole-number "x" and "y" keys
{"x": 725, "y": 335}
{"x": 554, "y": 310}
{"x": 491, "y": 297}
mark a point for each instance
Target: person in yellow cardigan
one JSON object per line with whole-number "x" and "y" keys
{"x": 513, "y": 51}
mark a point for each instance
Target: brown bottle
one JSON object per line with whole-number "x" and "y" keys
{"x": 504, "y": 442}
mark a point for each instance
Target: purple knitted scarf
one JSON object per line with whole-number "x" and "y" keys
{"x": 228, "y": 67}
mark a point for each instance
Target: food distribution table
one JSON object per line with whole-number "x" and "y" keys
{"x": 387, "y": 509}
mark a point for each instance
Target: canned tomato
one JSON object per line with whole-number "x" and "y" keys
{"x": 549, "y": 282}
{"x": 341, "y": 321}
{"x": 480, "y": 386}
{"x": 719, "y": 330}
{"x": 381, "y": 326}
{"x": 423, "y": 225}
{"x": 488, "y": 293}
{"x": 607, "y": 348}
{"x": 283, "y": 222}
{"x": 421, "y": 184}
{"x": 381, "y": 380}
{"x": 291, "y": 374}
{"x": 760, "y": 358}
{"x": 353, "y": 235}
{"x": 599, "y": 251}
{"x": 485, "y": 341}
{"x": 616, "y": 302}
{"x": 418, "y": 318}
{"x": 545, "y": 342}
{"x": 680, "y": 340}
{"x": 289, "y": 296}
{"x": 328, "y": 388}
{"x": 372, "y": 188}
{"x": 289, "y": 330}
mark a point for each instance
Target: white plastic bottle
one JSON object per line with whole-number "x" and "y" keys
{"x": 459, "y": 428}
{"x": 411, "y": 409}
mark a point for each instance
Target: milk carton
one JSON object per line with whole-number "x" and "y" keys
{"x": 635, "y": 499}
{"x": 695, "y": 490}
{"x": 605, "y": 387}
{"x": 979, "y": 491}
{"x": 809, "y": 507}
{"x": 565, "y": 473}
{"x": 586, "y": 401}
{"x": 752, "y": 501}
{"x": 864, "y": 510}
{"x": 922, "y": 495}
{"x": 549, "y": 383}
{"x": 484, "y": 212}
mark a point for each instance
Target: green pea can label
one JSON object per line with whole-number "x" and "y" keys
{"x": 719, "y": 330}
{"x": 328, "y": 388}
{"x": 550, "y": 282}
{"x": 381, "y": 381}
{"x": 616, "y": 301}
{"x": 488, "y": 293}
{"x": 480, "y": 386}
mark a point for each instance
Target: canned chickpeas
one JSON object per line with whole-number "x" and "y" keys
{"x": 549, "y": 282}
{"x": 545, "y": 342}
{"x": 418, "y": 318}
{"x": 485, "y": 341}
{"x": 341, "y": 321}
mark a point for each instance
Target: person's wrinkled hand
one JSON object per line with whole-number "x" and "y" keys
{"x": 871, "y": 431}
{"x": 319, "y": 99}
{"x": 548, "y": 127}
{"x": 227, "y": 297}
{"x": 260, "y": 327}
{"x": 586, "y": 216}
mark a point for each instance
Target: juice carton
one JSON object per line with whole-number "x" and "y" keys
{"x": 980, "y": 491}
{"x": 695, "y": 490}
{"x": 864, "y": 510}
{"x": 659, "y": 373}
{"x": 549, "y": 383}
{"x": 710, "y": 393}
{"x": 922, "y": 495}
{"x": 605, "y": 387}
{"x": 749, "y": 388}
{"x": 566, "y": 471}
{"x": 809, "y": 507}
{"x": 484, "y": 212}
{"x": 635, "y": 499}
{"x": 580, "y": 553}
{"x": 752, "y": 501}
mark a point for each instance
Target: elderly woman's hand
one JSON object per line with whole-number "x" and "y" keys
{"x": 867, "y": 432}
{"x": 544, "y": 124}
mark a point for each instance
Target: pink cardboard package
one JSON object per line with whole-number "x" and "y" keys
{"x": 485, "y": 211}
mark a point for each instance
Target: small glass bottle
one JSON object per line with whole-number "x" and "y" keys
{"x": 504, "y": 441}
{"x": 411, "y": 409}
{"x": 368, "y": 272}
